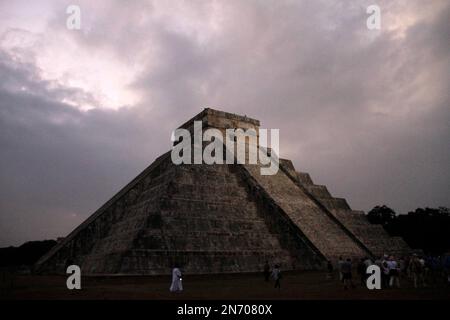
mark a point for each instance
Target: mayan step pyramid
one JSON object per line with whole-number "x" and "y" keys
{"x": 218, "y": 218}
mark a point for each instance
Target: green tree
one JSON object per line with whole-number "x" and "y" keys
{"x": 381, "y": 215}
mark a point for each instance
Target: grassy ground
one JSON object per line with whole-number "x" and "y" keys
{"x": 295, "y": 285}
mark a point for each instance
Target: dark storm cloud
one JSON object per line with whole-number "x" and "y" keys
{"x": 365, "y": 112}
{"x": 59, "y": 164}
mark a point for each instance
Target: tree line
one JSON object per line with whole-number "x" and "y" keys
{"x": 427, "y": 229}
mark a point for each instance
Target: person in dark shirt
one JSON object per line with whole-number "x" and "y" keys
{"x": 266, "y": 271}
{"x": 362, "y": 272}
{"x": 347, "y": 274}
{"x": 330, "y": 270}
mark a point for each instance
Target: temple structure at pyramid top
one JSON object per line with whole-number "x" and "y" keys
{"x": 222, "y": 120}
{"x": 218, "y": 218}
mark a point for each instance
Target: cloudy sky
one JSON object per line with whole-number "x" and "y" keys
{"x": 365, "y": 112}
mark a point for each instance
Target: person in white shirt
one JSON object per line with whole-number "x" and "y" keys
{"x": 177, "y": 285}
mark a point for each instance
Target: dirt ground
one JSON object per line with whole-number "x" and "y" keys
{"x": 295, "y": 285}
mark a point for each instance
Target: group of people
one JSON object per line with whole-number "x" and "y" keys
{"x": 345, "y": 269}
{"x": 420, "y": 270}
{"x": 176, "y": 285}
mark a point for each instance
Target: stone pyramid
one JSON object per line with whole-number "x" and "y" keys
{"x": 219, "y": 218}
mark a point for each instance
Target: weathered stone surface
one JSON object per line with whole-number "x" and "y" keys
{"x": 373, "y": 237}
{"x": 217, "y": 218}
{"x": 316, "y": 224}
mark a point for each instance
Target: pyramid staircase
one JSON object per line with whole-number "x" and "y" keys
{"x": 374, "y": 237}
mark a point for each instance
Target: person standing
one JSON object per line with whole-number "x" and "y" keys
{"x": 385, "y": 272}
{"x": 347, "y": 274}
{"x": 416, "y": 270}
{"x": 394, "y": 273}
{"x": 177, "y": 285}
{"x": 276, "y": 275}
{"x": 340, "y": 263}
{"x": 361, "y": 268}
{"x": 368, "y": 262}
{"x": 330, "y": 270}
{"x": 266, "y": 271}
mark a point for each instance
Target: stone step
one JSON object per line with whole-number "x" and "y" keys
{"x": 304, "y": 178}
{"x": 226, "y": 192}
{"x": 205, "y": 177}
{"x": 227, "y": 213}
{"x": 201, "y": 206}
{"x": 203, "y": 261}
{"x": 214, "y": 224}
{"x": 334, "y": 203}
{"x": 316, "y": 224}
{"x": 244, "y": 242}
{"x": 374, "y": 237}
{"x": 318, "y": 191}
{"x": 350, "y": 216}
{"x": 178, "y": 206}
{"x": 289, "y": 166}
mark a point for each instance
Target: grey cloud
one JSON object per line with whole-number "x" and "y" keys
{"x": 59, "y": 164}
{"x": 368, "y": 118}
